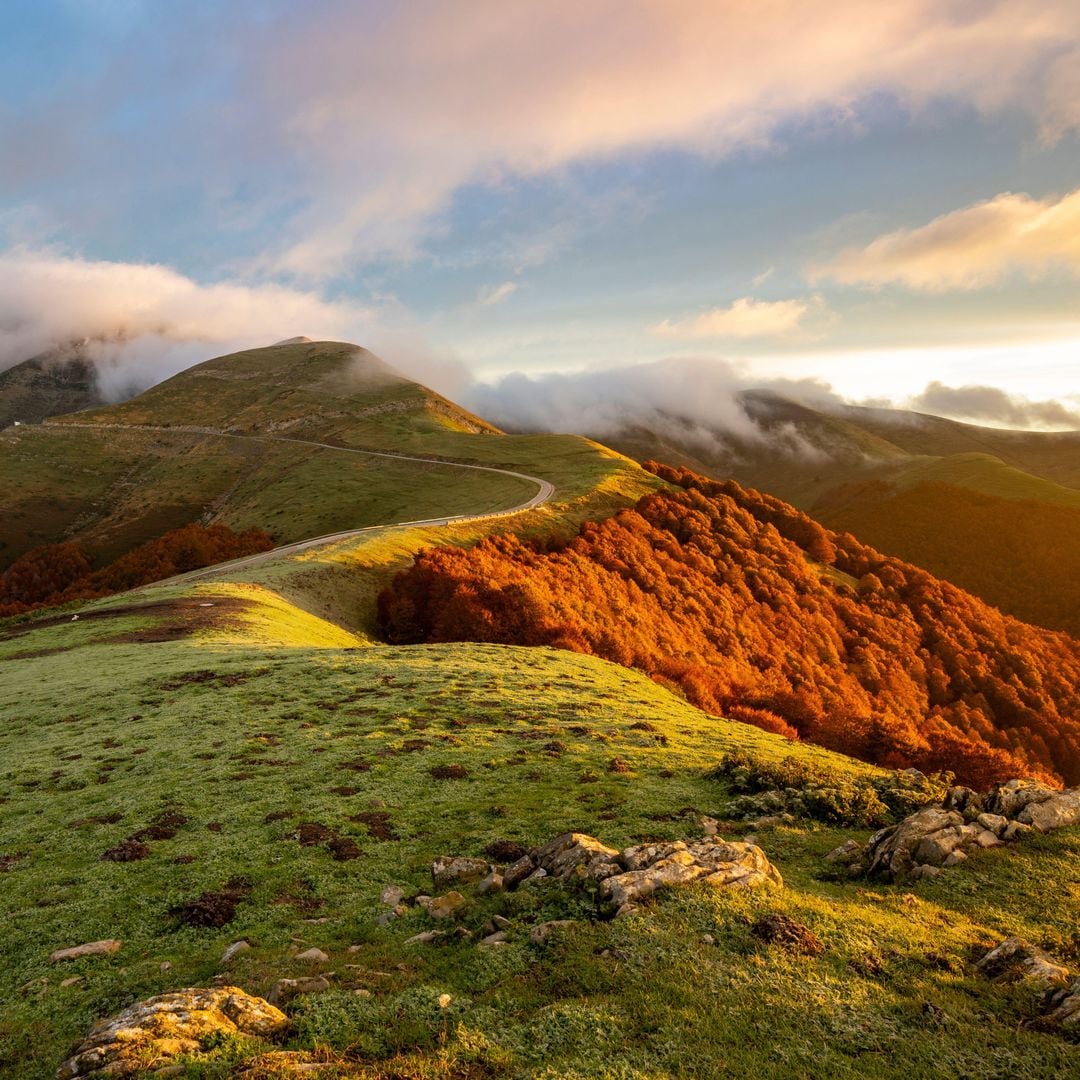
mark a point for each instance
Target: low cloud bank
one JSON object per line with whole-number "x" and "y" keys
{"x": 991, "y": 405}
{"x": 141, "y": 323}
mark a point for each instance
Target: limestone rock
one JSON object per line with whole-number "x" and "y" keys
{"x": 848, "y": 852}
{"x": 391, "y": 895}
{"x": 449, "y": 870}
{"x": 891, "y": 851}
{"x": 1061, "y": 809}
{"x": 91, "y": 948}
{"x": 1063, "y": 1007}
{"x": 1016, "y": 959}
{"x": 426, "y": 937}
{"x": 442, "y": 907}
{"x": 313, "y": 956}
{"x": 284, "y": 990}
{"x": 716, "y": 862}
{"x": 539, "y": 934}
{"x": 235, "y": 949}
{"x": 578, "y": 855}
{"x": 517, "y": 873}
{"x": 493, "y": 883}
{"x": 153, "y": 1033}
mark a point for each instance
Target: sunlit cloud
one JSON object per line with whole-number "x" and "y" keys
{"x": 969, "y": 248}
{"x": 748, "y": 318}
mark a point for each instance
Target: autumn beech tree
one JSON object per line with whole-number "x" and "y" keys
{"x": 755, "y": 611}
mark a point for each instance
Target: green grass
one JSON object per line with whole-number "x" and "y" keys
{"x": 104, "y": 729}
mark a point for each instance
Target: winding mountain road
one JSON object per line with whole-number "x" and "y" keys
{"x": 544, "y": 492}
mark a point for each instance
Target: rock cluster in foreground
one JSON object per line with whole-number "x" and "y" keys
{"x": 153, "y": 1032}
{"x": 937, "y": 837}
{"x": 624, "y": 878}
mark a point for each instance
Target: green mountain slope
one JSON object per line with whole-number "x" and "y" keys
{"x": 46, "y": 386}
{"x": 113, "y": 477}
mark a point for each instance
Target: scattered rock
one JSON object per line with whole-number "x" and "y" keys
{"x": 539, "y": 934}
{"x": 313, "y": 956}
{"x": 517, "y": 873}
{"x": 152, "y": 1034}
{"x": 449, "y": 870}
{"x": 391, "y": 895}
{"x": 707, "y": 939}
{"x": 442, "y": 907}
{"x": 498, "y": 938}
{"x": 91, "y": 948}
{"x": 577, "y": 855}
{"x": 426, "y": 937}
{"x": 71, "y": 980}
{"x": 284, "y": 990}
{"x": 1017, "y": 960}
{"x": 493, "y": 883}
{"x": 788, "y": 934}
{"x": 1062, "y": 1007}
{"x": 847, "y": 854}
{"x": 235, "y": 949}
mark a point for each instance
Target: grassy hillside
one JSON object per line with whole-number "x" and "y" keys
{"x": 261, "y": 719}
{"x": 115, "y": 477}
{"x": 46, "y": 386}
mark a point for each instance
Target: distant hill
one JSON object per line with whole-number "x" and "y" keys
{"x": 46, "y": 386}
{"x": 115, "y": 477}
{"x": 995, "y": 512}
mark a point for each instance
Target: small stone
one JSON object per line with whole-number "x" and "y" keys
{"x": 846, "y": 853}
{"x": 987, "y": 839}
{"x": 391, "y": 895}
{"x": 495, "y": 939}
{"x": 626, "y": 909}
{"x": 235, "y": 949}
{"x": 709, "y": 825}
{"x": 493, "y": 883}
{"x": 954, "y": 858}
{"x": 1016, "y": 959}
{"x": 501, "y": 922}
{"x": 313, "y": 956}
{"x": 518, "y": 872}
{"x": 708, "y": 939}
{"x": 71, "y": 980}
{"x": 449, "y": 870}
{"x": 425, "y": 938}
{"x": 537, "y": 875}
{"x": 1015, "y": 830}
{"x": 994, "y": 822}
{"x": 91, "y": 948}
{"x": 423, "y": 901}
{"x": 284, "y": 990}
{"x": 165, "y": 965}
{"x": 925, "y": 872}
{"x": 540, "y": 934}
{"x": 361, "y": 992}
{"x": 442, "y": 907}
{"x": 316, "y": 922}
{"x": 355, "y": 948}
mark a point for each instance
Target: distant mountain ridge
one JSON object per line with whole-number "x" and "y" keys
{"x": 994, "y": 511}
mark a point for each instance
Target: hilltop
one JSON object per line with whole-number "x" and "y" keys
{"x": 45, "y": 386}
{"x": 273, "y": 439}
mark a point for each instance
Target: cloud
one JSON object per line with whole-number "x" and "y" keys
{"x": 350, "y": 125}
{"x": 748, "y": 318}
{"x": 991, "y": 405}
{"x": 696, "y": 402}
{"x": 489, "y": 295}
{"x": 969, "y": 248}
{"x": 142, "y": 322}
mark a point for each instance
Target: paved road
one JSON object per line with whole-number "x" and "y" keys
{"x": 543, "y": 493}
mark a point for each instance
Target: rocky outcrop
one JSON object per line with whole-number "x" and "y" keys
{"x": 628, "y": 877}
{"x": 1017, "y": 960}
{"x": 91, "y": 948}
{"x": 1062, "y": 1007}
{"x": 938, "y": 837}
{"x": 152, "y": 1033}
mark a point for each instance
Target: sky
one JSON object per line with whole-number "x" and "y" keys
{"x": 884, "y": 198}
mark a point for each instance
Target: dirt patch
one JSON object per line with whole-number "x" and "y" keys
{"x": 151, "y": 832}
{"x": 276, "y": 815}
{"x": 505, "y": 851}
{"x": 213, "y": 909}
{"x": 183, "y": 860}
{"x": 358, "y": 765}
{"x": 643, "y": 725}
{"x": 311, "y": 833}
{"x": 787, "y": 934}
{"x": 378, "y": 824}
{"x": 215, "y": 826}
{"x": 448, "y": 772}
{"x": 345, "y": 792}
{"x": 412, "y": 746}
{"x": 98, "y": 819}
{"x": 127, "y": 851}
{"x": 344, "y": 848}
{"x": 8, "y": 861}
